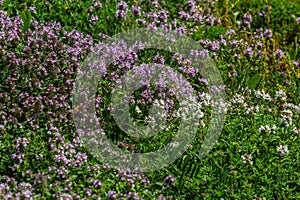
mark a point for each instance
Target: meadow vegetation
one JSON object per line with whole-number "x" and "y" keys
{"x": 255, "y": 44}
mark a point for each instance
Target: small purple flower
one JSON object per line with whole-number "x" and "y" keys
{"x": 159, "y": 59}
{"x": 163, "y": 15}
{"x": 231, "y": 32}
{"x": 191, "y": 4}
{"x": 122, "y": 9}
{"x": 247, "y": 19}
{"x": 102, "y": 35}
{"x": 259, "y": 44}
{"x": 122, "y": 6}
{"x": 97, "y": 5}
{"x": 298, "y": 20}
{"x": 120, "y": 14}
{"x": 185, "y": 16}
{"x": 234, "y": 43}
{"x": 88, "y": 191}
{"x": 181, "y": 30}
{"x": 97, "y": 184}
{"x": 94, "y": 19}
{"x": 142, "y": 21}
{"x": 248, "y": 51}
{"x": 296, "y": 63}
{"x": 155, "y": 4}
{"x": 152, "y": 27}
{"x": 203, "y": 80}
{"x": 203, "y": 54}
{"x": 174, "y": 22}
{"x": 167, "y": 27}
{"x": 2, "y": 127}
{"x": 278, "y": 54}
{"x": 262, "y": 14}
{"x": 260, "y": 53}
{"x": 152, "y": 16}
{"x": 237, "y": 56}
{"x": 121, "y": 144}
{"x": 170, "y": 179}
{"x": 135, "y": 10}
{"x": 112, "y": 194}
{"x": 211, "y": 20}
{"x": 191, "y": 71}
{"x": 232, "y": 73}
{"x": 21, "y": 142}
{"x": 223, "y": 42}
{"x": 177, "y": 57}
{"x": 31, "y": 8}
{"x": 90, "y": 9}
{"x": 197, "y": 17}
{"x": 268, "y": 33}
{"x": 213, "y": 46}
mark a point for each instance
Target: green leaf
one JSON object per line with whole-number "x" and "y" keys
{"x": 195, "y": 170}
{"x": 254, "y": 81}
{"x": 26, "y": 18}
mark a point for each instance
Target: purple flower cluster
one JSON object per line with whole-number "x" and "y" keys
{"x": 122, "y": 9}
{"x": 43, "y": 56}
{"x": 268, "y": 33}
{"x": 94, "y": 19}
{"x": 248, "y": 51}
{"x": 278, "y": 54}
{"x": 169, "y": 180}
{"x": 97, "y": 4}
{"x": 41, "y": 65}
{"x": 136, "y": 11}
{"x": 246, "y": 21}
{"x": 131, "y": 179}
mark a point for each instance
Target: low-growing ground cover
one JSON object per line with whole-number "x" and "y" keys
{"x": 254, "y": 44}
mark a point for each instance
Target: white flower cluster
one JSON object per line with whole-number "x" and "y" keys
{"x": 280, "y": 94}
{"x": 297, "y": 108}
{"x": 262, "y": 94}
{"x": 283, "y": 150}
{"x": 237, "y": 98}
{"x": 252, "y": 109}
{"x": 289, "y": 105}
{"x": 247, "y": 158}
{"x": 292, "y": 106}
{"x": 174, "y": 144}
{"x": 187, "y": 105}
{"x": 205, "y": 98}
{"x": 286, "y": 117}
{"x": 149, "y": 119}
{"x": 296, "y": 130}
{"x": 220, "y": 105}
{"x": 159, "y": 103}
{"x": 267, "y": 129}
{"x": 159, "y": 106}
{"x": 138, "y": 110}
